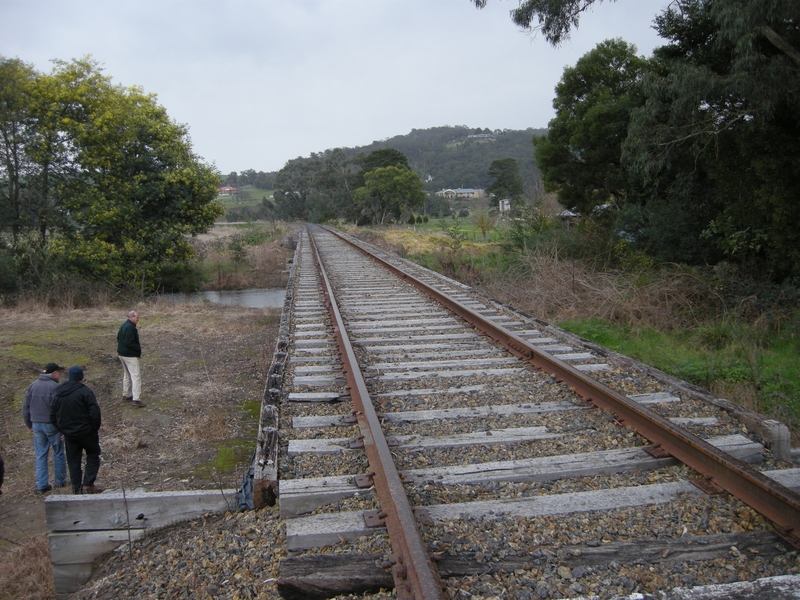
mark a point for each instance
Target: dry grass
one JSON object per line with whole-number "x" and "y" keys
{"x": 270, "y": 263}
{"x": 253, "y": 267}
{"x": 25, "y": 572}
{"x": 204, "y": 366}
{"x": 556, "y": 289}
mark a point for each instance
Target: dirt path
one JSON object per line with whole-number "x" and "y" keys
{"x": 204, "y": 367}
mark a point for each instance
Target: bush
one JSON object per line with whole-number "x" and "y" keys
{"x": 8, "y": 272}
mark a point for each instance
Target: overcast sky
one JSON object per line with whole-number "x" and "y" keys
{"x": 260, "y": 82}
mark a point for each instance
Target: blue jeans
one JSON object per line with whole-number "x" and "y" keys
{"x": 46, "y": 436}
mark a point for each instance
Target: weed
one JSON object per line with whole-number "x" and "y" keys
{"x": 25, "y": 571}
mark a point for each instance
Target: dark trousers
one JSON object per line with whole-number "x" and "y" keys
{"x": 74, "y": 447}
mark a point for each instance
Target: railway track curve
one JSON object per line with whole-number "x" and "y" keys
{"x": 431, "y": 441}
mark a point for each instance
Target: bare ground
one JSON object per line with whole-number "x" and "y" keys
{"x": 204, "y": 367}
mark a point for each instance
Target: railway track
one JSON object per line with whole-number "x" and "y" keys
{"x": 449, "y": 446}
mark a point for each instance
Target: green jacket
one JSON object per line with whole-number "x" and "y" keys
{"x": 128, "y": 340}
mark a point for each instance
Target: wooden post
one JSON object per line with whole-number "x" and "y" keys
{"x": 83, "y": 528}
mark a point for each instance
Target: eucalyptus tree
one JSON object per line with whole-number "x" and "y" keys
{"x": 719, "y": 134}
{"x": 296, "y": 188}
{"x": 387, "y": 192}
{"x": 554, "y": 18}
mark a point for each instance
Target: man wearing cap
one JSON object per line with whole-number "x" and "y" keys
{"x": 36, "y": 415}
{"x": 77, "y": 415}
{"x": 129, "y": 350}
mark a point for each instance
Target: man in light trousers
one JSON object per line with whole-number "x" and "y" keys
{"x": 129, "y": 351}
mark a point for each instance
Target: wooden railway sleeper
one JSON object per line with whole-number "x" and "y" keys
{"x": 708, "y": 485}
{"x": 419, "y": 579}
{"x": 365, "y": 480}
{"x": 771, "y": 499}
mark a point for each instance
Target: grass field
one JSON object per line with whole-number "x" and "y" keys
{"x": 247, "y": 196}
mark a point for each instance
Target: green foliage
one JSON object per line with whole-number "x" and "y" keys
{"x": 387, "y": 192}
{"x": 455, "y": 235}
{"x": 317, "y": 189}
{"x": 178, "y": 278}
{"x": 321, "y": 187}
{"x": 8, "y": 272}
{"x": 506, "y": 181}
{"x": 719, "y": 351}
{"x": 249, "y": 177}
{"x": 554, "y": 18}
{"x": 107, "y": 182}
{"x": 447, "y": 157}
{"x": 529, "y": 225}
{"x": 719, "y": 133}
{"x": 384, "y": 157}
{"x": 580, "y": 157}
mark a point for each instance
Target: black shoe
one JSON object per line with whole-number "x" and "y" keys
{"x": 138, "y": 404}
{"x": 45, "y": 489}
{"x": 127, "y": 398}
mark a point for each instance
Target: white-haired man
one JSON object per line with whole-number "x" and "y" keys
{"x": 130, "y": 350}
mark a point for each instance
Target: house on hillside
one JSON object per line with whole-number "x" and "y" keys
{"x": 226, "y": 190}
{"x": 461, "y": 193}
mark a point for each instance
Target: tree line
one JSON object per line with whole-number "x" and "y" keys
{"x": 693, "y": 154}
{"x": 258, "y": 179}
{"x": 443, "y": 157}
{"x": 374, "y": 188}
{"x": 97, "y": 181}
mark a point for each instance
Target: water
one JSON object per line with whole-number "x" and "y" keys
{"x": 252, "y": 298}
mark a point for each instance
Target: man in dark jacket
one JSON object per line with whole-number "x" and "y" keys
{"x": 129, "y": 351}
{"x": 77, "y": 415}
{"x": 36, "y": 415}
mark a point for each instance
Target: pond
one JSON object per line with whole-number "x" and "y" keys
{"x": 253, "y": 298}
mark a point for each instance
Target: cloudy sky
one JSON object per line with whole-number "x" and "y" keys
{"x": 260, "y": 82}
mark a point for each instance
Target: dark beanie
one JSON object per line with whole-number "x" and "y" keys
{"x": 75, "y": 374}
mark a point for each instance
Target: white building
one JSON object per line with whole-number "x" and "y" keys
{"x": 461, "y": 193}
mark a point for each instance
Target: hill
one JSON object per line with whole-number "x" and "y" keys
{"x": 444, "y": 157}
{"x": 453, "y": 157}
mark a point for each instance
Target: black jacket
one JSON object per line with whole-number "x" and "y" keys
{"x": 74, "y": 410}
{"x": 128, "y": 340}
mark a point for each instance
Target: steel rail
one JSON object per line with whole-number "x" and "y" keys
{"x": 414, "y": 574}
{"x": 773, "y": 500}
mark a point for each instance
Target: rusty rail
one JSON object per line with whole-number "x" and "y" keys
{"x": 413, "y": 572}
{"x": 773, "y": 500}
